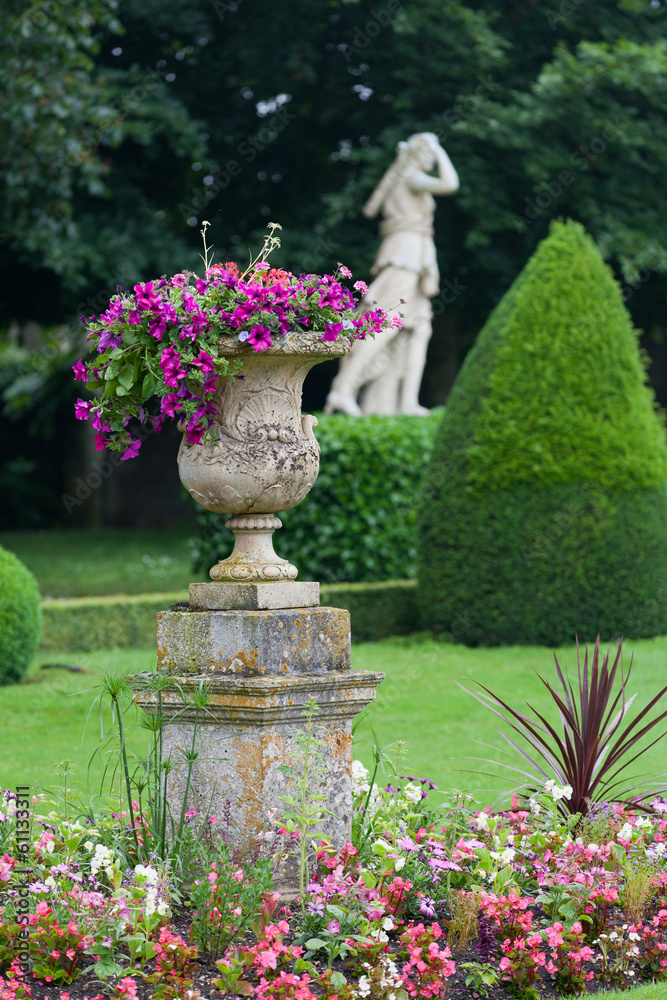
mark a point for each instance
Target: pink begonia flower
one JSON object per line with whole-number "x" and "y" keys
{"x": 361, "y": 286}
{"x": 132, "y": 449}
{"x": 82, "y": 409}
{"x": 345, "y": 271}
{"x": 80, "y": 372}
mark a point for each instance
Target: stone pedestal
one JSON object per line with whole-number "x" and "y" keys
{"x": 261, "y": 668}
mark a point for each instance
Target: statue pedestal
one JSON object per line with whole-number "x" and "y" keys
{"x": 261, "y": 668}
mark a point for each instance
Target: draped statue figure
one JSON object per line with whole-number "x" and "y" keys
{"x": 384, "y": 375}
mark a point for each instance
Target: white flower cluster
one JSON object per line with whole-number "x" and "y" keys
{"x": 557, "y": 792}
{"x": 383, "y": 979}
{"x": 505, "y": 857}
{"x": 149, "y": 880}
{"x": 413, "y": 792}
{"x": 360, "y": 783}
{"x": 103, "y": 858}
{"x": 361, "y": 786}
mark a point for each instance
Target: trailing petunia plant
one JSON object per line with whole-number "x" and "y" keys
{"x": 161, "y": 340}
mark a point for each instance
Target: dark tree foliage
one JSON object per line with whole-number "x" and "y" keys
{"x": 122, "y": 127}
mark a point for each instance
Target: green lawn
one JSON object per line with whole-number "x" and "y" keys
{"x": 419, "y": 702}
{"x": 114, "y": 561}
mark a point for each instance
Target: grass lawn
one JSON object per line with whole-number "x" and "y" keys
{"x": 113, "y": 561}
{"x": 648, "y": 991}
{"x": 419, "y": 702}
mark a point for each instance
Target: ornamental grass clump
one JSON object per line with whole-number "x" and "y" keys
{"x": 162, "y": 340}
{"x": 544, "y": 508}
{"x": 586, "y": 761}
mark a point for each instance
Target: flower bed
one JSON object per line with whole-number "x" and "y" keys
{"x": 460, "y": 900}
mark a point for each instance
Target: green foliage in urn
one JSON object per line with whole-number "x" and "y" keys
{"x": 544, "y": 512}
{"x": 20, "y": 618}
{"x": 358, "y": 521}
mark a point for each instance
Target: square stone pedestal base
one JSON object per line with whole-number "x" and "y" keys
{"x": 260, "y": 669}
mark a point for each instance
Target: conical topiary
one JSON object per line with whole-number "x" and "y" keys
{"x": 544, "y": 509}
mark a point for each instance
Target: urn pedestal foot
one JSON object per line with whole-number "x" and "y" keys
{"x": 253, "y": 558}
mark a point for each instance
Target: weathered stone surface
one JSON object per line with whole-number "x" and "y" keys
{"x": 254, "y": 596}
{"x": 247, "y": 732}
{"x": 254, "y": 643}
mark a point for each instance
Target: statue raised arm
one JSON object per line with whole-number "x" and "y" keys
{"x": 384, "y": 375}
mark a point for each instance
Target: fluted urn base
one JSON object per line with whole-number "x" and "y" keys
{"x": 253, "y": 559}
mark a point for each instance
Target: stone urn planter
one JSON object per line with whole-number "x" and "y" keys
{"x": 255, "y": 639}
{"x": 263, "y": 456}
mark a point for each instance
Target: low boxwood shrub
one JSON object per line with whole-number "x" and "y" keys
{"x": 544, "y": 509}
{"x": 358, "y": 521}
{"x": 20, "y": 618}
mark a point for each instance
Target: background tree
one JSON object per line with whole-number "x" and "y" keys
{"x": 123, "y": 127}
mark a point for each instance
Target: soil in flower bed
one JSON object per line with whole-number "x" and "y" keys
{"x": 202, "y": 976}
{"x": 205, "y": 972}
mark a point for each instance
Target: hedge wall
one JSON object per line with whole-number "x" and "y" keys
{"x": 377, "y": 610}
{"x": 544, "y": 509}
{"x": 358, "y": 521}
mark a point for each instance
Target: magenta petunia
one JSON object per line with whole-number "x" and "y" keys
{"x": 80, "y": 372}
{"x": 332, "y": 331}
{"x": 82, "y": 409}
{"x": 260, "y": 338}
{"x": 132, "y": 449}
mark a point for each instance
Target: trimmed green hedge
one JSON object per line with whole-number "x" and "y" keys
{"x": 83, "y": 624}
{"x": 358, "y": 521}
{"x": 544, "y": 509}
{"x": 20, "y": 618}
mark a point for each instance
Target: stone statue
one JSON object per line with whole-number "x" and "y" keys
{"x": 385, "y": 373}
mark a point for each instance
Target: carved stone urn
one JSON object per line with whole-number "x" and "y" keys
{"x": 262, "y": 456}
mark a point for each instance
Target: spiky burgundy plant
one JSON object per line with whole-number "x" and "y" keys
{"x": 591, "y": 752}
